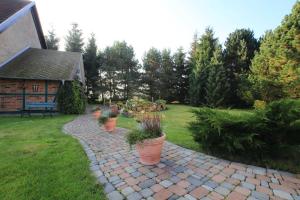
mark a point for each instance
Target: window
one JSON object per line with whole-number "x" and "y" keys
{"x": 35, "y": 88}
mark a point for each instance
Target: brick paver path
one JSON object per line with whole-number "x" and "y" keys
{"x": 181, "y": 174}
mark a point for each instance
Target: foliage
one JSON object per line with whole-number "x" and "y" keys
{"x": 151, "y": 78}
{"x": 275, "y": 68}
{"x": 71, "y": 98}
{"x": 268, "y": 133}
{"x": 161, "y": 104}
{"x": 74, "y": 40}
{"x": 150, "y": 127}
{"x": 38, "y": 161}
{"x": 91, "y": 68}
{"x": 240, "y": 47}
{"x": 259, "y": 105}
{"x": 118, "y": 72}
{"x": 52, "y": 40}
{"x": 106, "y": 114}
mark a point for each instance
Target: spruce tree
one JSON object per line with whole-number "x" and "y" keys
{"x": 276, "y": 68}
{"x": 217, "y": 85}
{"x": 205, "y": 49}
{"x": 167, "y": 76}
{"x": 52, "y": 40}
{"x": 240, "y": 48}
{"x": 91, "y": 67}
{"x": 74, "y": 40}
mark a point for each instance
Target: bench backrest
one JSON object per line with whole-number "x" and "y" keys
{"x": 40, "y": 105}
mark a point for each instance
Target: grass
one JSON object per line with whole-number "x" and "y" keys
{"x": 38, "y": 161}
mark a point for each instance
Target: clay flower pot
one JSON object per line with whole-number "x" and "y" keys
{"x": 110, "y": 124}
{"x": 97, "y": 114}
{"x": 150, "y": 150}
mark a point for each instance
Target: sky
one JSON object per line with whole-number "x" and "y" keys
{"x": 159, "y": 23}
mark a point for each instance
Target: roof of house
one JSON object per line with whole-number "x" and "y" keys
{"x": 12, "y": 10}
{"x": 44, "y": 64}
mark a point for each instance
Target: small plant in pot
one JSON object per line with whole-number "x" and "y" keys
{"x": 97, "y": 112}
{"x": 149, "y": 139}
{"x": 109, "y": 120}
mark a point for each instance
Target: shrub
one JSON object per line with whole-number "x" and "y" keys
{"x": 259, "y": 105}
{"x": 269, "y": 133}
{"x": 150, "y": 127}
{"x": 71, "y": 98}
{"x": 161, "y": 104}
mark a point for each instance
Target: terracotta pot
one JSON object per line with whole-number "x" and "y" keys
{"x": 97, "y": 114}
{"x": 110, "y": 125}
{"x": 150, "y": 150}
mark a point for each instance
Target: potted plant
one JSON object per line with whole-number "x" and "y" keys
{"x": 149, "y": 139}
{"x": 97, "y": 112}
{"x": 109, "y": 120}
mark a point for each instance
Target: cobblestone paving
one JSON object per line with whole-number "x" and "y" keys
{"x": 181, "y": 174}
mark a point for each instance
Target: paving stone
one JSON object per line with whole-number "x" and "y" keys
{"x": 166, "y": 183}
{"x": 136, "y": 174}
{"x": 146, "y": 192}
{"x": 128, "y": 190}
{"x": 194, "y": 181}
{"x": 151, "y": 175}
{"x": 134, "y": 196}
{"x": 162, "y": 194}
{"x": 238, "y": 176}
{"x": 223, "y": 191}
{"x": 115, "y": 195}
{"x": 282, "y": 194}
{"x": 173, "y": 197}
{"x": 189, "y": 197}
{"x": 147, "y": 183}
{"x": 249, "y": 186}
{"x": 102, "y": 179}
{"x": 211, "y": 184}
{"x": 227, "y": 185}
{"x": 175, "y": 179}
{"x": 259, "y": 195}
{"x": 108, "y": 188}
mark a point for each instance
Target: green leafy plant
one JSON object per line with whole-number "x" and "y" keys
{"x": 150, "y": 127}
{"x": 71, "y": 98}
{"x": 106, "y": 115}
{"x": 272, "y": 132}
{"x": 161, "y": 104}
{"x": 259, "y": 105}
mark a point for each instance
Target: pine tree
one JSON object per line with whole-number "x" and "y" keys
{"x": 276, "y": 68}
{"x": 182, "y": 76}
{"x": 151, "y": 76}
{"x": 240, "y": 48}
{"x": 217, "y": 85}
{"x": 91, "y": 67}
{"x": 167, "y": 76}
{"x": 202, "y": 59}
{"x": 52, "y": 40}
{"x": 74, "y": 40}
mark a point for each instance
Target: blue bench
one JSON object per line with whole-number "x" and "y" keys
{"x": 39, "y": 106}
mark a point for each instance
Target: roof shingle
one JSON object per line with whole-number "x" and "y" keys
{"x": 44, "y": 64}
{"x": 10, "y": 7}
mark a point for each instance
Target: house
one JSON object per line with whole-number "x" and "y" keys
{"x": 29, "y": 72}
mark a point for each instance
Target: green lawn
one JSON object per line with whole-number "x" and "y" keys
{"x": 38, "y": 161}
{"x": 175, "y": 124}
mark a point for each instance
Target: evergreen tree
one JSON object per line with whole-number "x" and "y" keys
{"x": 152, "y": 70}
{"x": 182, "y": 76}
{"x": 217, "y": 85}
{"x": 167, "y": 76}
{"x": 52, "y": 40}
{"x": 202, "y": 59}
{"x": 240, "y": 47}
{"x": 91, "y": 67}
{"x": 74, "y": 40}
{"x": 276, "y": 68}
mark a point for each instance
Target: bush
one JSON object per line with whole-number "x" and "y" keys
{"x": 259, "y": 105}
{"x": 161, "y": 104}
{"x": 71, "y": 98}
{"x": 269, "y": 133}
